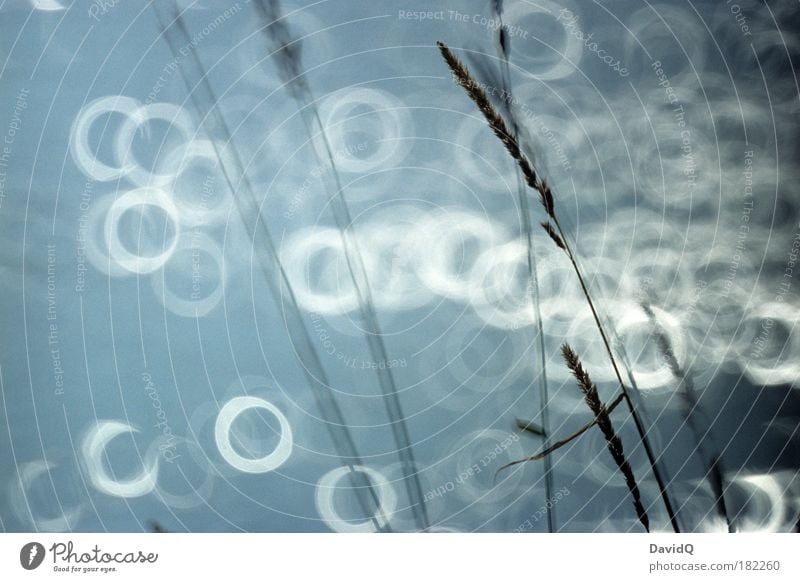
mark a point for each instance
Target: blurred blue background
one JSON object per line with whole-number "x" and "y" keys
{"x": 153, "y": 154}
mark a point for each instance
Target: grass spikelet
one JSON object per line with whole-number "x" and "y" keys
{"x": 463, "y": 78}
{"x": 592, "y": 398}
{"x": 553, "y": 235}
{"x": 498, "y": 125}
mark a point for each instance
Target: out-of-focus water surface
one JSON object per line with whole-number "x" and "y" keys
{"x": 188, "y": 338}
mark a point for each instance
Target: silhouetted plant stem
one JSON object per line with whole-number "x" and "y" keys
{"x": 545, "y": 453}
{"x": 286, "y": 52}
{"x": 375, "y": 342}
{"x": 531, "y": 427}
{"x": 496, "y": 123}
{"x": 175, "y": 33}
{"x": 691, "y": 407}
{"x": 640, "y": 428}
{"x": 503, "y": 47}
{"x": 592, "y": 398}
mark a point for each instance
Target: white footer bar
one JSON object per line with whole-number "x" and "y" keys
{"x": 406, "y": 557}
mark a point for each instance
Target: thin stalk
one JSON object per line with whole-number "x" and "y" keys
{"x": 543, "y": 454}
{"x": 495, "y": 121}
{"x": 269, "y": 262}
{"x": 613, "y": 442}
{"x": 531, "y": 427}
{"x": 691, "y": 406}
{"x": 651, "y": 457}
{"x": 544, "y": 398}
{"x": 286, "y": 51}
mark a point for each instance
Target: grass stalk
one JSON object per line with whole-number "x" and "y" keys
{"x": 464, "y": 79}
{"x": 545, "y": 453}
{"x": 531, "y": 427}
{"x": 286, "y": 51}
{"x": 613, "y": 442}
{"x": 691, "y": 406}
{"x": 503, "y": 48}
{"x": 175, "y": 33}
